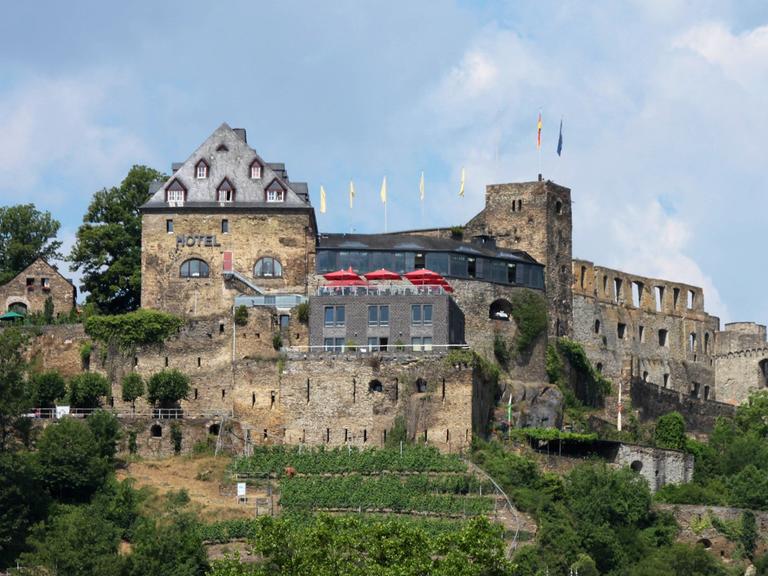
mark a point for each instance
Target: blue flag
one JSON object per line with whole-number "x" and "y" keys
{"x": 560, "y": 139}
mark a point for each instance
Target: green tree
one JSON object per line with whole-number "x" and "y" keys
{"x": 168, "y": 549}
{"x": 15, "y": 399}
{"x": 108, "y": 246}
{"x": 25, "y": 235}
{"x": 70, "y": 460}
{"x": 670, "y": 431}
{"x": 86, "y": 389}
{"x": 241, "y": 315}
{"x": 167, "y": 387}
{"x": 749, "y": 488}
{"x": 132, "y": 388}
{"x": 106, "y": 431}
{"x": 23, "y": 501}
{"x": 679, "y": 560}
{"x": 76, "y": 542}
{"x": 48, "y": 310}
{"x": 47, "y": 387}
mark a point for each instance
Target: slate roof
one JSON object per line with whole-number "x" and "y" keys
{"x": 231, "y": 161}
{"x": 408, "y": 242}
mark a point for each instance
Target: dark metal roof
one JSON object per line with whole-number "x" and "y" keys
{"x": 410, "y": 242}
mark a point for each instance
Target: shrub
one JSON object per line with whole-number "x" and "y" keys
{"x": 176, "y": 437}
{"x": 133, "y": 447}
{"x": 138, "y": 328}
{"x": 132, "y": 388}
{"x": 48, "y": 310}
{"x": 277, "y": 341}
{"x": 85, "y": 354}
{"x": 670, "y": 431}
{"x": 302, "y": 312}
{"x": 501, "y": 351}
{"x": 166, "y": 388}
{"x": 592, "y": 386}
{"x": 106, "y": 432}
{"x": 86, "y": 389}
{"x": 529, "y": 310}
{"x": 47, "y": 388}
{"x": 241, "y": 315}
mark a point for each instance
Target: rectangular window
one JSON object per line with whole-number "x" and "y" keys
{"x": 46, "y": 282}
{"x": 418, "y": 262}
{"x": 471, "y": 267}
{"x": 416, "y": 344}
{"x": 427, "y": 342}
{"x": 202, "y": 170}
{"x": 226, "y": 195}
{"x": 169, "y": 226}
{"x": 641, "y": 333}
{"x": 328, "y": 344}
{"x": 662, "y": 337}
{"x": 333, "y": 316}
{"x": 340, "y": 316}
{"x": 275, "y": 195}
{"x": 255, "y": 171}
{"x": 338, "y": 344}
{"x": 176, "y": 196}
{"x": 415, "y": 314}
{"x": 30, "y": 281}
{"x": 225, "y": 226}
{"x": 373, "y": 316}
{"x": 620, "y": 330}
{"x": 373, "y": 344}
{"x": 511, "y": 273}
{"x": 427, "y": 314}
{"x": 328, "y": 315}
{"x": 384, "y": 315}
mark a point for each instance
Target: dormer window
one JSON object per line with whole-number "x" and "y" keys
{"x": 201, "y": 170}
{"x": 175, "y": 193}
{"x": 255, "y": 170}
{"x": 275, "y": 192}
{"x": 225, "y": 192}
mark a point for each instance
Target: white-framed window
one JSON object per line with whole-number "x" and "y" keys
{"x": 201, "y": 170}
{"x": 226, "y": 195}
{"x": 275, "y": 196}
{"x": 175, "y": 195}
{"x": 255, "y": 171}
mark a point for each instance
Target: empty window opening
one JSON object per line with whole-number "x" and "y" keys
{"x": 223, "y": 393}
{"x": 213, "y": 430}
{"x": 621, "y": 330}
{"x": 169, "y": 226}
{"x": 421, "y": 385}
{"x": 156, "y": 431}
{"x": 500, "y": 309}
{"x": 663, "y": 337}
{"x": 303, "y": 435}
{"x": 327, "y": 435}
{"x": 605, "y": 285}
{"x": 354, "y": 390}
{"x": 675, "y": 297}
{"x": 641, "y": 333}
{"x": 583, "y": 276}
{"x": 599, "y": 367}
{"x": 692, "y": 341}
{"x": 659, "y": 293}
{"x": 443, "y": 388}
{"x": 764, "y": 371}
{"x": 447, "y": 435}
{"x": 706, "y": 392}
{"x": 199, "y": 361}
{"x": 597, "y": 326}
{"x": 695, "y": 389}
{"x": 705, "y": 542}
{"x": 253, "y": 399}
{"x": 365, "y": 436}
{"x": 397, "y": 389}
{"x": 637, "y": 294}
{"x": 221, "y": 327}
{"x": 559, "y": 209}
{"x": 706, "y": 342}
{"x": 346, "y": 435}
{"x": 166, "y": 361}
{"x": 418, "y": 262}
{"x": 691, "y": 299}
{"x": 264, "y": 434}
{"x": 636, "y": 466}
{"x": 135, "y": 361}
{"x": 375, "y": 386}
{"x": 471, "y": 267}
{"x": 272, "y": 398}
{"x": 425, "y": 436}
{"x": 307, "y": 390}
{"x": 195, "y": 393}
{"x": 511, "y": 273}
{"x": 645, "y": 376}
{"x": 666, "y": 380}
{"x": 225, "y": 226}
{"x": 519, "y": 205}
{"x": 617, "y": 282}
{"x": 514, "y": 206}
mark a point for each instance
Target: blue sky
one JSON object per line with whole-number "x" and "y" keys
{"x": 663, "y": 104}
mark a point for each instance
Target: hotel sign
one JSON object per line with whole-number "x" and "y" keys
{"x": 192, "y": 240}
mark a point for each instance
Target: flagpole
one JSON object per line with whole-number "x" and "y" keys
{"x": 385, "y": 217}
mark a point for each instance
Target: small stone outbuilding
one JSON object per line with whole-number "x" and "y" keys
{"x": 27, "y": 292}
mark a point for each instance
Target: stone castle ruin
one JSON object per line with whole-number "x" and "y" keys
{"x": 230, "y": 229}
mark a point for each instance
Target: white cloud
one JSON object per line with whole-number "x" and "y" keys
{"x": 54, "y": 129}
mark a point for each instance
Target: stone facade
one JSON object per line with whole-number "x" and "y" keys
{"x": 29, "y": 290}
{"x": 656, "y": 465}
{"x": 741, "y": 361}
{"x": 534, "y": 217}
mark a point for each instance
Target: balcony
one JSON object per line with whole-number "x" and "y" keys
{"x": 382, "y": 290}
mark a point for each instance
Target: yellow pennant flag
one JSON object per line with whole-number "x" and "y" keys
{"x": 463, "y": 178}
{"x": 421, "y": 187}
{"x": 383, "y": 192}
{"x": 351, "y": 194}
{"x": 322, "y": 200}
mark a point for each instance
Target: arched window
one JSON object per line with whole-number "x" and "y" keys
{"x": 156, "y": 431}
{"x": 500, "y": 309}
{"x": 194, "y": 268}
{"x": 268, "y": 268}
{"x": 18, "y": 307}
{"x": 375, "y": 386}
{"x": 764, "y": 371}
{"x": 421, "y": 385}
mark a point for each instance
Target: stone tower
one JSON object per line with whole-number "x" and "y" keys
{"x": 534, "y": 217}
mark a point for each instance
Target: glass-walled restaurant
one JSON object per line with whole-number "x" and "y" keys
{"x": 511, "y": 270}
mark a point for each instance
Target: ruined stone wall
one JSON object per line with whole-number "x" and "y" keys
{"x": 651, "y": 401}
{"x": 632, "y": 326}
{"x": 44, "y": 281}
{"x": 656, "y": 465}
{"x": 285, "y": 235}
{"x": 741, "y": 361}
{"x": 353, "y": 399}
{"x": 58, "y": 348}
{"x": 534, "y": 217}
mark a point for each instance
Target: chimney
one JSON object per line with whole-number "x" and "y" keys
{"x": 241, "y": 133}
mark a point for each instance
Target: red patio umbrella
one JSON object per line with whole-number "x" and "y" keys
{"x": 350, "y": 282}
{"x": 342, "y": 275}
{"x": 382, "y": 274}
{"x": 424, "y": 277}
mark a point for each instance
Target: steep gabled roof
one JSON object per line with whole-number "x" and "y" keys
{"x": 46, "y": 265}
{"x": 228, "y": 156}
